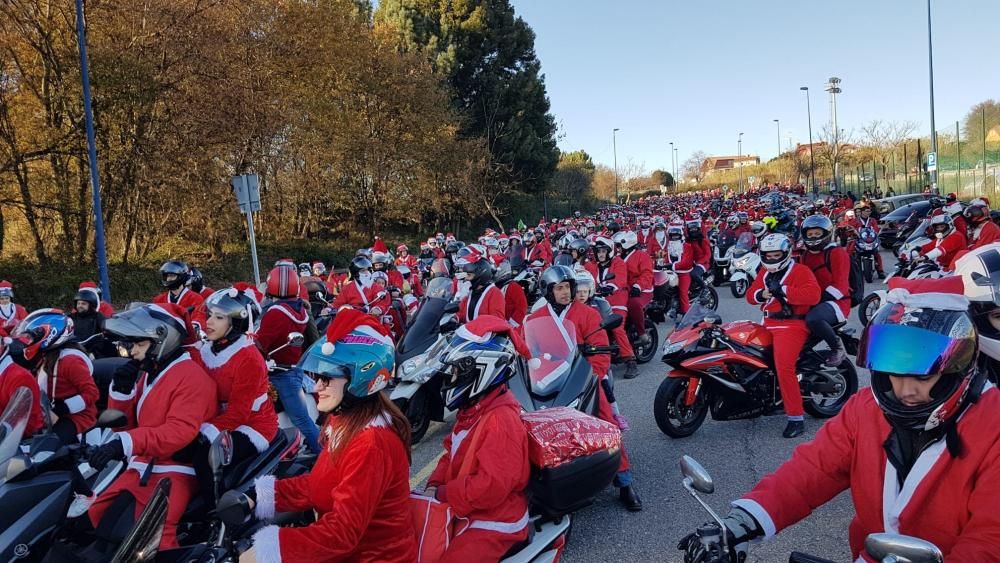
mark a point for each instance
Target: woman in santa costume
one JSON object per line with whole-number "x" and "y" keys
{"x": 166, "y": 397}
{"x": 10, "y": 313}
{"x": 63, "y": 369}
{"x": 919, "y": 452}
{"x": 360, "y": 485}
{"x": 232, "y": 359}
{"x": 484, "y": 470}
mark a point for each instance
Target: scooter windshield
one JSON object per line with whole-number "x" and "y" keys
{"x": 552, "y": 345}
{"x": 744, "y": 245}
{"x": 442, "y": 288}
{"x": 12, "y": 424}
{"x": 919, "y": 232}
{"x": 726, "y": 239}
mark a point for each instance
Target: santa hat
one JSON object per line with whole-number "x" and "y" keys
{"x": 482, "y": 328}
{"x": 943, "y": 294}
{"x": 183, "y": 317}
{"x": 4, "y": 284}
{"x": 92, "y": 288}
{"x": 350, "y": 320}
{"x": 250, "y": 290}
{"x": 379, "y": 246}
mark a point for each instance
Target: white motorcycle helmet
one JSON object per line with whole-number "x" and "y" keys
{"x": 758, "y": 228}
{"x": 775, "y": 242}
{"x": 980, "y": 271}
{"x": 627, "y": 239}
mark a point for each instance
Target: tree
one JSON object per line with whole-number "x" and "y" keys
{"x": 973, "y": 123}
{"x": 574, "y": 176}
{"x": 662, "y": 178}
{"x": 879, "y": 139}
{"x": 487, "y": 55}
{"x": 694, "y": 167}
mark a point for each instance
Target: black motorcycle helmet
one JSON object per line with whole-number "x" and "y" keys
{"x": 89, "y": 296}
{"x": 197, "y": 281}
{"x": 817, "y": 222}
{"x": 453, "y": 247}
{"x": 563, "y": 259}
{"x": 176, "y": 268}
{"x": 554, "y": 276}
{"x": 580, "y": 247}
{"x": 614, "y": 227}
{"x": 479, "y": 273}
{"x": 358, "y": 264}
{"x": 693, "y": 230}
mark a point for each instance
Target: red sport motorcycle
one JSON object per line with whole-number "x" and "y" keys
{"x": 728, "y": 370}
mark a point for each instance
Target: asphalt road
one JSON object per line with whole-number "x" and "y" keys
{"x": 736, "y": 453}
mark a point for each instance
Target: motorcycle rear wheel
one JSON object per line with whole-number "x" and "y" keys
{"x": 821, "y": 408}
{"x": 643, "y": 354}
{"x": 673, "y": 418}
{"x": 867, "y": 269}
{"x": 418, "y": 413}
{"x": 867, "y": 308}
{"x": 710, "y": 300}
{"x": 739, "y": 288}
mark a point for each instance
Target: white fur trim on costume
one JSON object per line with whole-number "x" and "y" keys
{"x": 120, "y": 396}
{"x": 258, "y": 402}
{"x": 75, "y": 404}
{"x": 163, "y": 375}
{"x": 287, "y": 311}
{"x": 759, "y": 514}
{"x": 215, "y": 361}
{"x": 264, "y": 509}
{"x": 934, "y": 253}
{"x": 894, "y": 499}
{"x": 265, "y": 544}
{"x": 73, "y": 352}
{"x": 466, "y": 334}
{"x": 940, "y": 301}
{"x": 256, "y": 438}
{"x": 209, "y": 430}
{"x": 501, "y": 527}
{"x": 126, "y": 443}
{"x": 837, "y": 311}
{"x": 835, "y": 292}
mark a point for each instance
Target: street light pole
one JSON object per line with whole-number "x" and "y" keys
{"x": 673, "y": 165}
{"x": 739, "y": 158}
{"x": 833, "y": 87}
{"x": 930, "y": 67}
{"x": 812, "y": 159}
{"x": 778, "y": 123}
{"x": 614, "y": 144}
{"x": 677, "y": 159}
{"x": 95, "y": 182}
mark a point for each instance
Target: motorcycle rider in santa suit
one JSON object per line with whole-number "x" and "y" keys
{"x": 359, "y": 487}
{"x": 863, "y": 220}
{"x": 359, "y": 291}
{"x": 920, "y": 452}
{"x": 559, "y": 286}
{"x": 238, "y": 369}
{"x": 166, "y": 397}
{"x": 639, "y": 267}
{"x": 515, "y": 300}
{"x": 616, "y": 292}
{"x": 786, "y": 292}
{"x": 174, "y": 277}
{"x": 483, "y": 298}
{"x": 832, "y": 267}
{"x": 10, "y": 313}
{"x": 680, "y": 260}
{"x": 702, "y": 253}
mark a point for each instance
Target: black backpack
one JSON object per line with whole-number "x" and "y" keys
{"x": 855, "y": 279}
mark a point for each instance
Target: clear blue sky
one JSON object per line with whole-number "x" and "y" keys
{"x": 698, "y": 72}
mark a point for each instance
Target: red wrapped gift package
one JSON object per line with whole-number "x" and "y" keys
{"x": 561, "y": 434}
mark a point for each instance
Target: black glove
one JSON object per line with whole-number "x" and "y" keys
{"x": 59, "y": 408}
{"x": 774, "y": 286}
{"x": 236, "y": 508}
{"x": 113, "y": 450}
{"x": 741, "y": 527}
{"x": 123, "y": 380}
{"x": 186, "y": 454}
{"x": 605, "y": 290}
{"x": 634, "y": 292}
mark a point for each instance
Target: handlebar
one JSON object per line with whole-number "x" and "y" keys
{"x": 588, "y": 350}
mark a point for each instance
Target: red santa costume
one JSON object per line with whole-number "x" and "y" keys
{"x": 103, "y": 307}
{"x": 618, "y": 300}
{"x": 802, "y": 291}
{"x": 682, "y": 264}
{"x": 187, "y": 299}
{"x": 240, "y": 376}
{"x": 12, "y": 378}
{"x": 278, "y": 320}
{"x": 490, "y": 301}
{"x": 832, "y": 268}
{"x": 72, "y": 382}
{"x": 515, "y": 303}
{"x": 11, "y": 314}
{"x": 639, "y": 266}
{"x": 354, "y": 294}
{"x": 164, "y": 416}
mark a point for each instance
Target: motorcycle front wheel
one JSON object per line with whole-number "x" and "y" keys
{"x": 739, "y": 288}
{"x": 867, "y": 269}
{"x": 644, "y": 354}
{"x": 824, "y": 406}
{"x": 418, "y": 412}
{"x": 709, "y": 297}
{"x": 867, "y": 308}
{"x": 674, "y": 418}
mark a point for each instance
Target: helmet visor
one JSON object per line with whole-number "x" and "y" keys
{"x": 909, "y": 350}
{"x": 321, "y": 366}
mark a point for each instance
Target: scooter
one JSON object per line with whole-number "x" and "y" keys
{"x": 866, "y": 248}
{"x": 417, "y": 383}
{"x": 722, "y": 256}
{"x": 885, "y": 548}
{"x": 908, "y": 266}
{"x": 745, "y": 264}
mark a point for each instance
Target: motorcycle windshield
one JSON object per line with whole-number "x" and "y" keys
{"x": 744, "y": 245}
{"x": 12, "y": 424}
{"x": 441, "y": 288}
{"x": 695, "y": 315}
{"x": 920, "y": 231}
{"x": 726, "y": 239}
{"x": 867, "y": 236}
{"x": 552, "y": 346}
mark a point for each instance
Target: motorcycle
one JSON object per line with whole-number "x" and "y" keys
{"x": 666, "y": 299}
{"x": 417, "y": 383}
{"x": 745, "y": 264}
{"x": 722, "y": 256}
{"x": 728, "y": 370}
{"x": 294, "y": 339}
{"x": 907, "y": 266}
{"x": 866, "y": 247}
{"x": 882, "y": 547}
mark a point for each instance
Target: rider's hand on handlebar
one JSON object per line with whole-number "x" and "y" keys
{"x": 741, "y": 527}
{"x": 634, "y": 291}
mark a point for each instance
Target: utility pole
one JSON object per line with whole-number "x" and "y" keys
{"x": 673, "y": 165}
{"x": 812, "y": 159}
{"x": 930, "y": 68}
{"x": 833, "y": 87}
{"x": 614, "y": 144}
{"x": 739, "y": 159}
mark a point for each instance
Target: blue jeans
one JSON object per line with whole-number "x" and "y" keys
{"x": 289, "y": 385}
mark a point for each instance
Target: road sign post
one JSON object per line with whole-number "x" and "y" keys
{"x": 247, "y": 191}
{"x": 931, "y": 161}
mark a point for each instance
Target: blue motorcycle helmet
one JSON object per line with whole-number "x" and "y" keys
{"x": 475, "y": 363}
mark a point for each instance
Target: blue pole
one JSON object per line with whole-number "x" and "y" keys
{"x": 95, "y": 181}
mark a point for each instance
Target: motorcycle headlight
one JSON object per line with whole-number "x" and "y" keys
{"x": 409, "y": 367}
{"x": 741, "y": 262}
{"x": 673, "y": 348}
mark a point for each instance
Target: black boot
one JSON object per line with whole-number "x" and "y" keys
{"x": 794, "y": 429}
{"x": 631, "y": 370}
{"x": 630, "y": 499}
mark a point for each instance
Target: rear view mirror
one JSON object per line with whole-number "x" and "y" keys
{"x": 698, "y": 477}
{"x": 111, "y": 418}
{"x": 296, "y": 339}
{"x": 897, "y": 547}
{"x": 612, "y": 322}
{"x": 220, "y": 453}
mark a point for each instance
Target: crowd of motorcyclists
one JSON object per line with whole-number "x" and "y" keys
{"x": 919, "y": 452}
